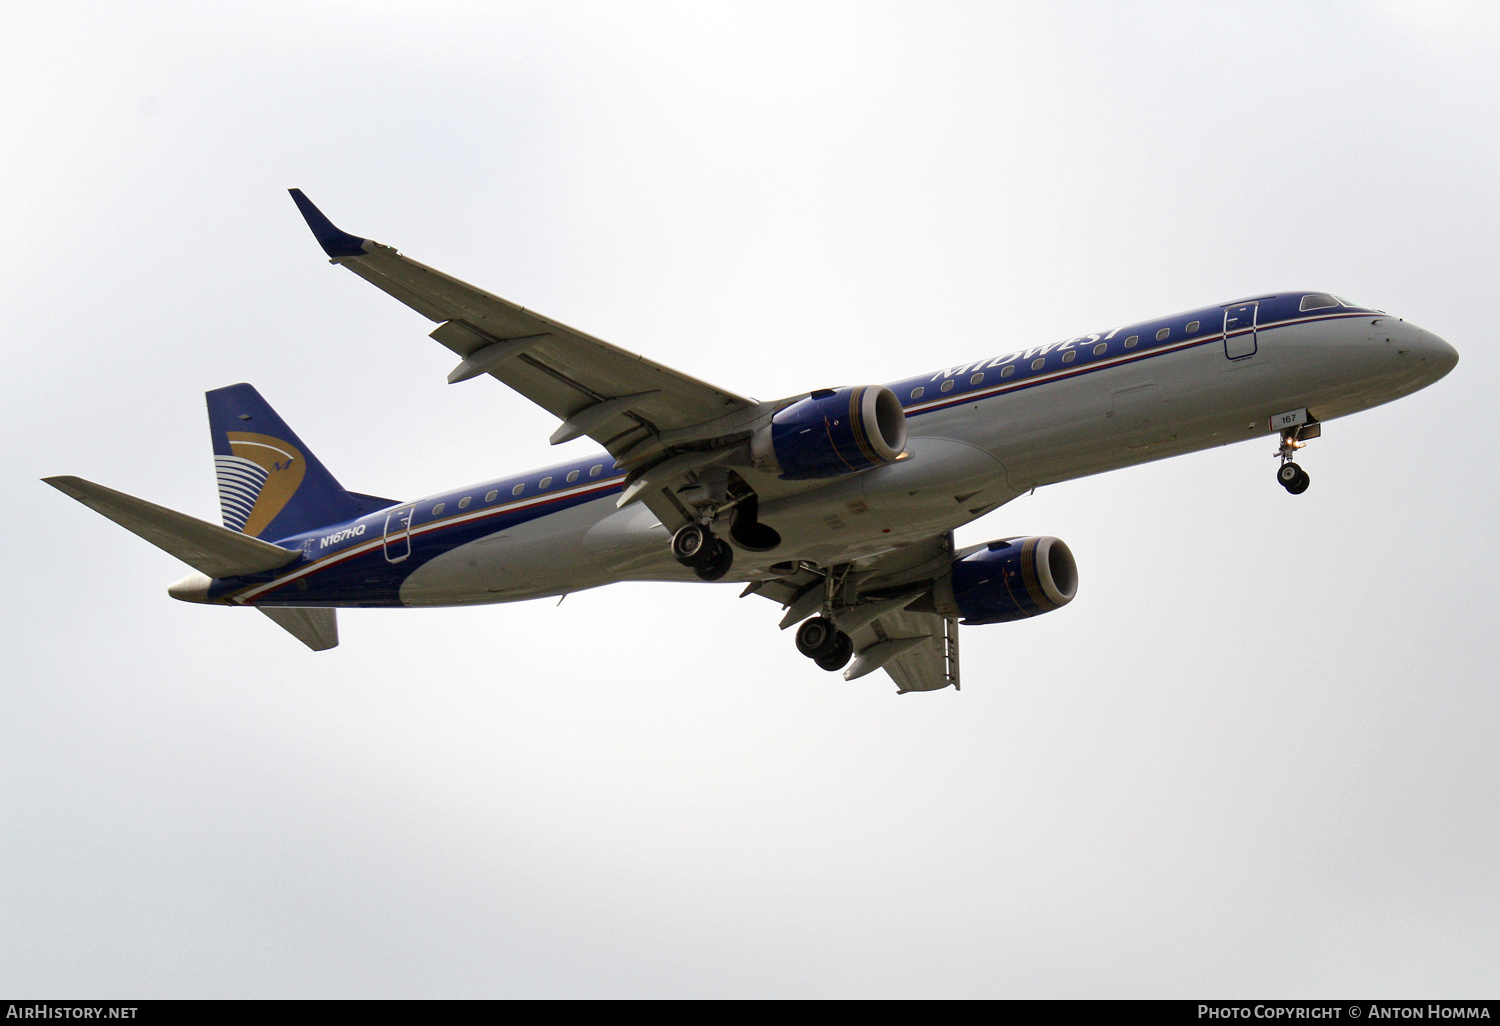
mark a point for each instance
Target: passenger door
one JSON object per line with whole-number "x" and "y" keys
{"x": 398, "y": 534}
{"x": 1239, "y": 330}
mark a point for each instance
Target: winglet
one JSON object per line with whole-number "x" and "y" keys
{"x": 334, "y": 242}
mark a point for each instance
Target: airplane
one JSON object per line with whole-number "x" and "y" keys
{"x": 839, "y": 503}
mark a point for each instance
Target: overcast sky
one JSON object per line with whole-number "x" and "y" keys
{"x": 1256, "y": 756}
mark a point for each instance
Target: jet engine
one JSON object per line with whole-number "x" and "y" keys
{"x": 833, "y": 432}
{"x": 1014, "y": 578}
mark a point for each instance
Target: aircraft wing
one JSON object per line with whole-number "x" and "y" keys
{"x": 616, "y": 397}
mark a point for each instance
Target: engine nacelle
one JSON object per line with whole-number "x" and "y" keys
{"x": 833, "y": 432}
{"x": 1014, "y": 578}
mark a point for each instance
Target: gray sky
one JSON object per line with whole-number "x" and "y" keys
{"x": 1256, "y": 756}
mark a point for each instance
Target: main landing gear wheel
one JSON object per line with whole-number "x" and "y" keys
{"x": 1293, "y": 478}
{"x": 720, "y": 559}
{"x": 692, "y": 545}
{"x": 824, "y": 644}
{"x": 840, "y": 656}
{"x": 695, "y": 546}
{"x": 817, "y": 638}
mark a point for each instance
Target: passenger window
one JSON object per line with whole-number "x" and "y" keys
{"x": 1037, "y": 363}
{"x": 464, "y": 502}
{"x": 1317, "y": 301}
{"x": 946, "y": 386}
{"x": 1131, "y": 341}
{"x": 436, "y": 510}
{"x": 572, "y": 476}
{"x": 594, "y": 471}
{"x": 1100, "y": 348}
{"x": 916, "y": 393}
{"x": 1163, "y": 333}
{"x": 490, "y": 495}
{"x": 1008, "y": 371}
{"x": 1192, "y": 327}
{"x": 518, "y": 489}
{"x": 545, "y": 482}
{"x": 1070, "y": 356}
{"x": 976, "y": 379}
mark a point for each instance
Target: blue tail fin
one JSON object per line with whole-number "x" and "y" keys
{"x": 270, "y": 484}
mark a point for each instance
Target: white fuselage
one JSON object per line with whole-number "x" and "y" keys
{"x": 966, "y": 458}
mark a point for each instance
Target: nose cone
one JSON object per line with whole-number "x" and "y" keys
{"x": 1436, "y": 356}
{"x": 192, "y": 588}
{"x": 1423, "y": 357}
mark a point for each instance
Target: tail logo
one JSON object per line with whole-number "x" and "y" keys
{"x": 257, "y": 482}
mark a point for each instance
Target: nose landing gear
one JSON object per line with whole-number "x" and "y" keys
{"x": 1290, "y": 476}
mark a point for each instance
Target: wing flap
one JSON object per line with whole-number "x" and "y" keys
{"x": 930, "y": 665}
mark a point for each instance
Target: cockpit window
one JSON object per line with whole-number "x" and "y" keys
{"x": 1317, "y": 301}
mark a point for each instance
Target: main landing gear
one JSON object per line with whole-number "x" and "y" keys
{"x": 694, "y": 545}
{"x": 824, "y": 644}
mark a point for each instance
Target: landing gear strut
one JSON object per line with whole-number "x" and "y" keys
{"x": 824, "y": 644}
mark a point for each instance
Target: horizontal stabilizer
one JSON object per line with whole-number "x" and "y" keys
{"x": 318, "y": 629}
{"x": 208, "y": 548}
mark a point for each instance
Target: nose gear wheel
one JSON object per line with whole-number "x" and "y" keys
{"x": 1293, "y": 478}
